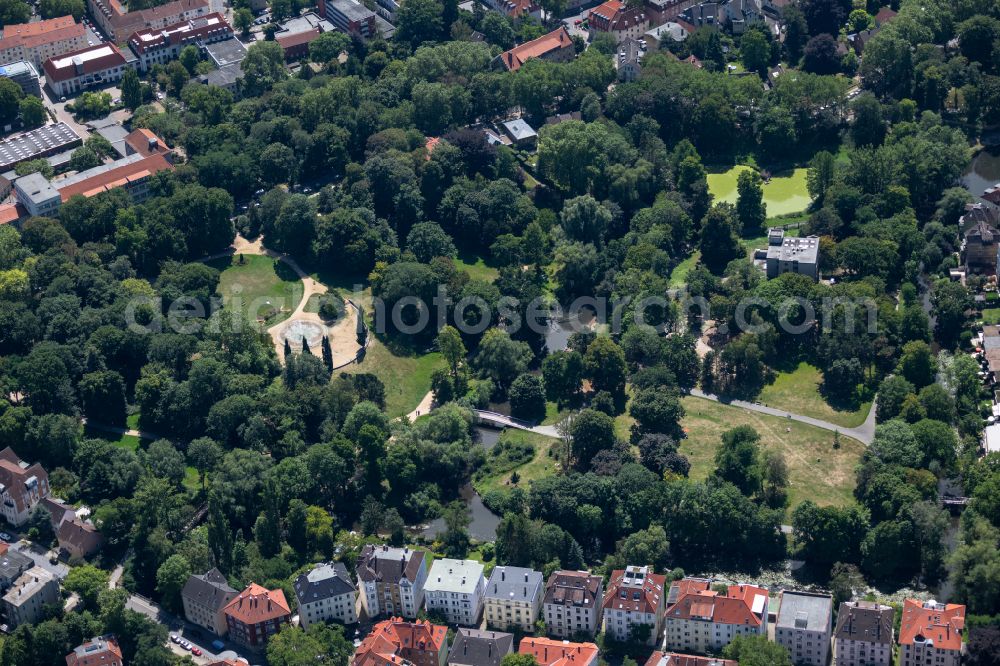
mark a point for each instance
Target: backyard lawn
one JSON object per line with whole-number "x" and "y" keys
{"x": 817, "y": 471}
{"x": 798, "y": 392}
{"x": 783, "y": 194}
{"x": 261, "y": 284}
{"x": 538, "y": 467}
{"x": 678, "y": 276}
{"x": 407, "y": 378}
{"x": 991, "y": 316}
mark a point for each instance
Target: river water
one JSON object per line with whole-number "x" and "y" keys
{"x": 984, "y": 172}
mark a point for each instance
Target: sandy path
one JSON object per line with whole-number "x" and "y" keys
{"x": 425, "y": 406}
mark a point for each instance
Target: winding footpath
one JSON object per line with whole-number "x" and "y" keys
{"x": 864, "y": 433}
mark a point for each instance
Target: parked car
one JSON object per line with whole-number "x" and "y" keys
{"x": 6, "y": 537}
{"x": 174, "y": 638}
{"x": 196, "y": 651}
{"x": 218, "y": 645}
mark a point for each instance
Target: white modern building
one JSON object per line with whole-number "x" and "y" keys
{"x": 455, "y": 589}
{"x": 805, "y": 626}
{"x": 513, "y": 598}
{"x": 326, "y": 594}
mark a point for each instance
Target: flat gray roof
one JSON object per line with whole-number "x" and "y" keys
{"x": 520, "y": 129}
{"x": 803, "y": 250}
{"x": 18, "y": 68}
{"x": 226, "y": 52}
{"x": 35, "y": 142}
{"x": 354, "y": 11}
{"x": 36, "y": 187}
{"x": 805, "y": 611}
{"x": 514, "y": 583}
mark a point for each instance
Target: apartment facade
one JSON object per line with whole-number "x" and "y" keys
{"x": 75, "y": 71}
{"x": 255, "y": 615}
{"x": 513, "y": 598}
{"x": 572, "y": 603}
{"x": 22, "y": 487}
{"x": 326, "y": 593}
{"x": 455, "y": 589}
{"x": 118, "y": 23}
{"x": 37, "y": 42}
{"x": 931, "y": 633}
{"x": 618, "y": 19}
{"x": 864, "y": 634}
{"x": 205, "y": 598}
{"x": 25, "y": 601}
{"x": 394, "y": 641}
{"x": 805, "y": 626}
{"x": 158, "y": 46}
{"x": 634, "y": 603}
{"x": 701, "y": 620}
{"x": 391, "y": 580}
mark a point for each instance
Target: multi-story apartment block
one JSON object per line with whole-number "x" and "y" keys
{"x": 22, "y": 487}
{"x": 118, "y": 23}
{"x": 255, "y": 615}
{"x": 634, "y": 604}
{"x": 391, "y": 580}
{"x": 161, "y": 45}
{"x": 513, "y": 598}
{"x": 804, "y": 626}
{"x": 102, "y": 651}
{"x": 931, "y": 633}
{"x": 25, "y": 601}
{"x": 326, "y": 593}
{"x": 97, "y": 65}
{"x": 700, "y": 619}
{"x": 864, "y": 634}
{"x": 37, "y": 42}
{"x": 395, "y": 642}
{"x": 674, "y": 659}
{"x": 455, "y": 589}
{"x": 572, "y": 603}
{"x": 205, "y": 599}
{"x": 473, "y": 647}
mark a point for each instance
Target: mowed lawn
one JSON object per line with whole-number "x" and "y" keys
{"x": 133, "y": 443}
{"x": 538, "y": 467}
{"x": 798, "y": 392}
{"x": 817, "y": 471}
{"x": 258, "y": 285}
{"x": 785, "y": 193}
{"x": 477, "y": 269}
{"x": 406, "y": 378}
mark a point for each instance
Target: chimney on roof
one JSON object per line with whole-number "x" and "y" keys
{"x": 503, "y": 574}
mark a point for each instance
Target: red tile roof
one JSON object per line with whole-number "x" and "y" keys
{"x": 14, "y": 477}
{"x": 940, "y": 623}
{"x": 145, "y": 142}
{"x": 536, "y": 48}
{"x": 92, "y": 59}
{"x": 548, "y": 652}
{"x": 674, "y": 659}
{"x": 117, "y": 177}
{"x": 257, "y": 604}
{"x": 103, "y": 651}
{"x": 297, "y": 38}
{"x": 742, "y": 605}
{"x": 615, "y": 15}
{"x": 31, "y": 35}
{"x": 621, "y": 595}
{"x": 12, "y": 212}
{"x": 395, "y": 640}
{"x": 178, "y": 33}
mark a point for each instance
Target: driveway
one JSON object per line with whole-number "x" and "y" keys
{"x": 197, "y": 636}
{"x": 40, "y": 557}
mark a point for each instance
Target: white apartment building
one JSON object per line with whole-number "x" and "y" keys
{"x": 805, "y": 626}
{"x": 455, "y": 589}
{"x": 701, "y": 620}
{"x": 572, "y": 603}
{"x": 25, "y": 601}
{"x": 635, "y": 598}
{"x": 864, "y": 634}
{"x": 391, "y": 580}
{"x": 326, "y": 593}
{"x": 513, "y": 598}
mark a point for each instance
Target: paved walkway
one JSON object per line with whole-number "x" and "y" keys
{"x": 864, "y": 433}
{"x": 141, "y": 434}
{"x": 504, "y": 420}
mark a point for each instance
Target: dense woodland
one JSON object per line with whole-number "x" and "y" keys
{"x": 290, "y": 459}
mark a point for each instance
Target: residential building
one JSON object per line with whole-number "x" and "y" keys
{"x": 225, "y": 53}
{"x": 79, "y": 538}
{"x": 572, "y": 603}
{"x": 326, "y": 593}
{"x": 12, "y": 565}
{"x": 394, "y": 641}
{"x": 619, "y": 20}
{"x": 516, "y": 9}
{"x": 699, "y": 619}
{"x": 22, "y": 486}
{"x": 863, "y": 636}
{"x": 522, "y": 135}
{"x": 350, "y": 16}
{"x": 674, "y": 659}
{"x": 205, "y": 598}
{"x": 980, "y": 238}
{"x": 737, "y": 15}
{"x": 931, "y": 633}
{"x": 455, "y": 589}
{"x": 634, "y": 604}
{"x": 37, "y": 195}
{"x": 513, "y": 598}
{"x": 102, "y": 651}
{"x": 630, "y": 53}
{"x": 791, "y": 254}
{"x": 661, "y": 11}
{"x": 118, "y": 23}
{"x": 255, "y": 614}
{"x": 992, "y": 194}
{"x": 25, "y": 601}
{"x": 805, "y": 626}
{"x": 295, "y": 34}
{"x": 548, "y": 652}
{"x": 391, "y": 580}
{"x": 226, "y": 77}
{"x": 77, "y": 70}
{"x": 473, "y": 647}
{"x": 24, "y": 74}
{"x": 701, "y": 14}
{"x": 39, "y": 142}
{"x": 37, "y": 42}
{"x": 557, "y": 46}
{"x": 158, "y": 46}
{"x": 662, "y": 36}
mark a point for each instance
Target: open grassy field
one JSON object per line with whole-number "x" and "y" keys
{"x": 785, "y": 193}
{"x": 538, "y": 467}
{"x": 798, "y": 392}
{"x": 817, "y": 471}
{"x": 678, "y": 276}
{"x": 407, "y": 378}
{"x": 477, "y": 269}
{"x": 261, "y": 284}
{"x": 133, "y": 443}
